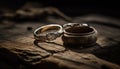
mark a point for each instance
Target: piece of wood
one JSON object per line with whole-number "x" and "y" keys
{"x": 17, "y": 48}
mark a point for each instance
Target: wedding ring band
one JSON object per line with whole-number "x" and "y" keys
{"x": 79, "y": 35}
{"x": 48, "y": 32}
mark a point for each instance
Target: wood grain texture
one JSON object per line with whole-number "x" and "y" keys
{"x": 17, "y": 48}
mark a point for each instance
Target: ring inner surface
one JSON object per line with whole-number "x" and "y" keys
{"x": 77, "y": 30}
{"x": 48, "y": 29}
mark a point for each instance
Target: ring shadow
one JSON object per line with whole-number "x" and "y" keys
{"x": 50, "y": 51}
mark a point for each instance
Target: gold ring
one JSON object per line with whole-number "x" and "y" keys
{"x": 48, "y": 32}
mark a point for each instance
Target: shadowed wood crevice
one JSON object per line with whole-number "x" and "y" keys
{"x": 50, "y": 47}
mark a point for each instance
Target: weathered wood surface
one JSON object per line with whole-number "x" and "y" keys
{"x": 17, "y": 50}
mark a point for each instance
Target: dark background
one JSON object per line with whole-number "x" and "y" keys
{"x": 71, "y": 7}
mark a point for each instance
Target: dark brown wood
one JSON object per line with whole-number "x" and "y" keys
{"x": 18, "y": 50}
